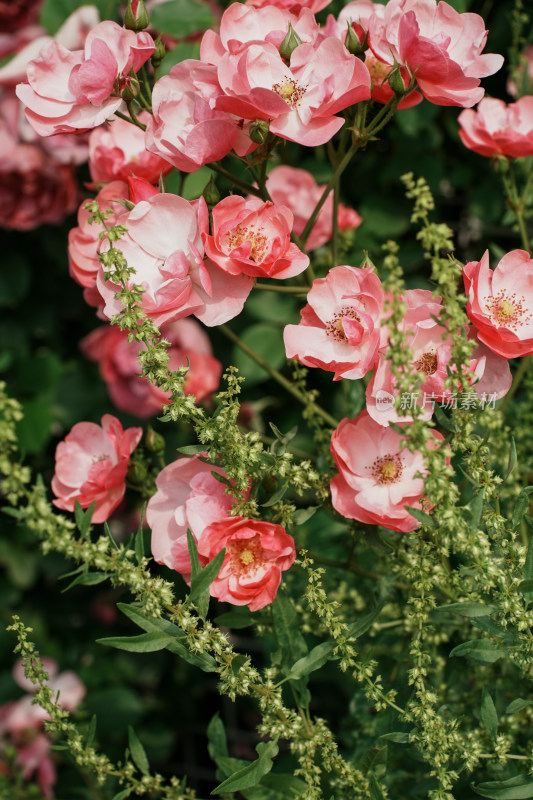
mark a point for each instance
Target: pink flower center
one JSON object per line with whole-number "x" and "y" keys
{"x": 290, "y": 90}
{"x": 387, "y": 469}
{"x": 103, "y": 457}
{"x": 246, "y": 555}
{"x": 258, "y": 240}
{"x": 335, "y": 328}
{"x": 507, "y": 310}
{"x": 426, "y": 363}
{"x": 379, "y": 71}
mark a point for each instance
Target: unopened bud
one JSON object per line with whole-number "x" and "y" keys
{"x": 137, "y": 473}
{"x": 259, "y": 131}
{"x": 159, "y": 52}
{"x": 131, "y": 90}
{"x": 353, "y": 44}
{"x": 290, "y": 43}
{"x": 211, "y": 194}
{"x": 396, "y": 82}
{"x": 154, "y": 441}
{"x": 136, "y": 17}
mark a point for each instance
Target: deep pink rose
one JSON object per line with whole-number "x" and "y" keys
{"x": 298, "y": 190}
{"x": 340, "y": 326}
{"x": 76, "y": 90}
{"x": 117, "y": 150}
{"x": 257, "y": 553}
{"x": 500, "y": 302}
{"x": 185, "y": 128}
{"x": 441, "y": 45}
{"x": 164, "y": 244}
{"x": 376, "y": 477}
{"x": 84, "y": 242}
{"x": 187, "y": 496}
{"x": 252, "y": 237}
{"x": 91, "y": 465}
{"x": 497, "y": 129}
{"x": 119, "y": 365}
{"x": 301, "y": 98}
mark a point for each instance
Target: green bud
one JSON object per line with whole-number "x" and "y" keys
{"x": 137, "y": 473}
{"x": 153, "y": 441}
{"x": 259, "y": 131}
{"x": 290, "y": 43}
{"x": 136, "y": 17}
{"x": 353, "y": 45}
{"x": 130, "y": 90}
{"x": 159, "y": 53}
{"x": 211, "y": 194}
{"x": 396, "y": 82}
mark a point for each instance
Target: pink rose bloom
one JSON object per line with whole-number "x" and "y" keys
{"x": 500, "y": 302}
{"x": 441, "y": 45}
{"x": 117, "y": 150}
{"x": 290, "y": 5}
{"x": 257, "y": 553}
{"x": 187, "y": 496}
{"x": 164, "y": 243}
{"x": 376, "y": 477}
{"x": 340, "y": 326}
{"x": 497, "y": 129}
{"x": 297, "y": 190}
{"x": 300, "y": 99}
{"x": 118, "y": 360}
{"x": 83, "y": 241}
{"x": 185, "y": 128}
{"x": 91, "y": 466}
{"x": 75, "y": 90}
{"x": 252, "y": 237}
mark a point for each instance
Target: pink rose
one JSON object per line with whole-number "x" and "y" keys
{"x": 301, "y": 98}
{"x": 340, "y": 326}
{"x": 257, "y": 553}
{"x": 500, "y": 302}
{"x": 118, "y": 360}
{"x": 84, "y": 241}
{"x": 298, "y": 190}
{"x": 441, "y": 45}
{"x": 497, "y": 129}
{"x": 376, "y": 477}
{"x": 187, "y": 496}
{"x": 117, "y": 150}
{"x": 290, "y": 5}
{"x": 91, "y": 466}
{"x": 164, "y": 244}
{"x": 75, "y": 90}
{"x": 252, "y": 237}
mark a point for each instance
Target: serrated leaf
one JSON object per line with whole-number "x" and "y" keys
{"x": 518, "y": 788}
{"x": 137, "y": 751}
{"x": 518, "y": 705}
{"x": 479, "y": 650}
{"x": 489, "y": 715}
{"x": 315, "y": 659}
{"x": 468, "y": 609}
{"x": 249, "y": 776}
{"x": 421, "y": 516}
{"x": 513, "y": 460}
{"x": 521, "y": 506}
{"x": 216, "y": 734}
{"x": 143, "y": 643}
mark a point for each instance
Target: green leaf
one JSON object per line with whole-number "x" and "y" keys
{"x": 137, "y": 752}
{"x": 511, "y": 464}
{"x": 199, "y": 594}
{"x": 250, "y": 775}
{"x": 292, "y": 645}
{"x": 315, "y": 659}
{"x": 54, "y": 12}
{"x": 303, "y": 514}
{"x": 139, "y": 538}
{"x": 526, "y": 586}
{"x": 181, "y": 52}
{"x": 240, "y": 617}
{"x": 192, "y": 449}
{"x": 527, "y": 572}
{"x": 468, "y": 609}
{"x": 475, "y": 509}
{"x": 91, "y": 733}
{"x": 110, "y": 537}
{"x": 267, "y": 342}
{"x": 180, "y": 18}
{"x": 143, "y": 643}
{"x": 278, "y": 494}
{"x": 518, "y": 788}
{"x": 193, "y": 554}
{"x": 216, "y": 735}
{"x": 375, "y": 788}
{"x": 518, "y": 705}
{"x": 421, "y": 516}
{"x": 83, "y": 519}
{"x": 400, "y": 737}
{"x": 521, "y": 506}
{"x": 87, "y": 579}
{"x": 479, "y": 650}
{"x": 123, "y": 794}
{"x": 489, "y": 715}
{"x": 360, "y": 626}
{"x": 444, "y": 421}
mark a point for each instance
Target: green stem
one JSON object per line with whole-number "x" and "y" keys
{"x": 335, "y": 232}
{"x": 133, "y": 115}
{"x": 244, "y": 185}
{"x": 519, "y": 374}
{"x": 298, "y": 290}
{"x": 277, "y": 376}
{"x": 518, "y": 205}
{"x": 129, "y": 119}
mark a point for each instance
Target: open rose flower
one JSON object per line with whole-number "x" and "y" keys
{"x": 377, "y": 477}
{"x": 252, "y": 237}
{"x": 340, "y": 326}
{"x": 290, "y": 5}
{"x": 91, "y": 466}
{"x": 187, "y": 496}
{"x": 298, "y": 190}
{"x": 500, "y": 302}
{"x": 118, "y": 359}
{"x": 257, "y": 553}
{"x": 76, "y": 90}
{"x": 497, "y": 129}
{"x": 164, "y": 244}
{"x": 442, "y": 46}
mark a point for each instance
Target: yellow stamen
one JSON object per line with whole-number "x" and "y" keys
{"x": 246, "y": 557}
